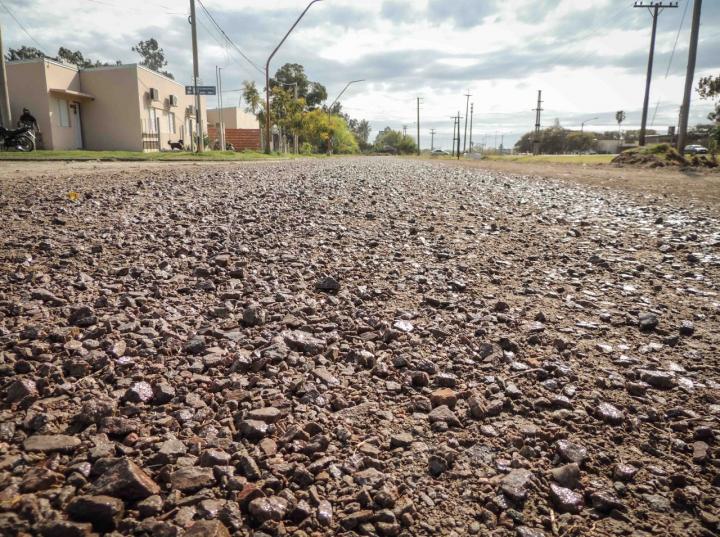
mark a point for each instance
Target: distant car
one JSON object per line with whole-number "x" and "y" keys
{"x": 696, "y": 149}
{"x": 439, "y": 152}
{"x": 390, "y": 150}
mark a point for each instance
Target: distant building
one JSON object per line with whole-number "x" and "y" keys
{"x": 608, "y": 146}
{"x": 120, "y": 107}
{"x": 242, "y": 128}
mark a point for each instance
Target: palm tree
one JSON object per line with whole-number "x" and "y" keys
{"x": 363, "y": 130}
{"x": 252, "y": 97}
{"x": 620, "y": 117}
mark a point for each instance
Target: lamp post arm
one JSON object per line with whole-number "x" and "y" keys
{"x": 267, "y": 76}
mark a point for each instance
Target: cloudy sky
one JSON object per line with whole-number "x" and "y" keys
{"x": 588, "y": 57}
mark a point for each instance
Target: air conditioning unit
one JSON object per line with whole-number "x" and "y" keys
{"x": 173, "y": 100}
{"x": 154, "y": 94}
{"x": 190, "y": 110}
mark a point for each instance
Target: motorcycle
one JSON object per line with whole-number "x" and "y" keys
{"x": 22, "y": 139}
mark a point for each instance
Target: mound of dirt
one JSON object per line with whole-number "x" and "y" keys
{"x": 661, "y": 155}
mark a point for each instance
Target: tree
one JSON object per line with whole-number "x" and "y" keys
{"x": 316, "y": 95}
{"x": 579, "y": 142}
{"x": 153, "y": 57}
{"x": 327, "y": 133}
{"x": 251, "y": 95}
{"x": 290, "y": 74}
{"x": 709, "y": 88}
{"x": 74, "y": 57}
{"x": 24, "y": 53}
{"x": 619, "y": 117}
{"x": 395, "y": 139}
{"x": 361, "y": 130}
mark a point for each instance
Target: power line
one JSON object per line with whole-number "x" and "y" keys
{"x": 212, "y": 19}
{"x": 21, "y": 25}
{"x": 655, "y": 9}
{"x": 677, "y": 38}
{"x": 672, "y": 56}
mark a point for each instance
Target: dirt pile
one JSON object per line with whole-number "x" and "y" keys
{"x": 660, "y": 156}
{"x": 355, "y": 347}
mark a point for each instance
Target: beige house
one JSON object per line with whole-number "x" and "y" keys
{"x": 119, "y": 107}
{"x": 242, "y": 129}
{"x": 234, "y": 118}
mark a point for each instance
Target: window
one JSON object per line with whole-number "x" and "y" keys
{"x": 152, "y": 120}
{"x": 63, "y": 114}
{"x": 171, "y": 122}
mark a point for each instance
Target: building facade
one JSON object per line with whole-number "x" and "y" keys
{"x": 242, "y": 129}
{"x": 114, "y": 108}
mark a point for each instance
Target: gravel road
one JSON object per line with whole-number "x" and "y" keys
{"x": 355, "y": 347}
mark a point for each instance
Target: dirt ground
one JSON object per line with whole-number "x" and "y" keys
{"x": 380, "y": 347}
{"x": 672, "y": 184}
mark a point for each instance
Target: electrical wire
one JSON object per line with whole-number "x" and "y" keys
{"x": 677, "y": 38}
{"x": 21, "y": 25}
{"x": 212, "y": 19}
{"x": 672, "y": 55}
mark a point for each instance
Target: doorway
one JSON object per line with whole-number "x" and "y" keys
{"x": 77, "y": 126}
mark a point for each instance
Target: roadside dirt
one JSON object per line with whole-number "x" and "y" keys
{"x": 695, "y": 185}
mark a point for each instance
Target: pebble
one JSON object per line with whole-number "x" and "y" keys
{"x": 368, "y": 346}
{"x": 566, "y": 500}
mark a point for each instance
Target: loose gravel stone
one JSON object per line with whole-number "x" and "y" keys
{"x": 125, "y": 479}
{"x": 49, "y": 443}
{"x": 370, "y": 346}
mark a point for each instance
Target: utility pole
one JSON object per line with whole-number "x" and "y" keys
{"x": 196, "y": 75}
{"x": 692, "y": 55}
{"x": 432, "y": 140}
{"x": 454, "y": 138}
{"x": 404, "y": 130}
{"x": 472, "y": 109}
{"x": 5, "y": 114}
{"x": 536, "y": 140}
{"x": 655, "y": 8}
{"x": 218, "y": 76}
{"x": 459, "y": 117}
{"x": 467, "y": 104}
{"x": 418, "y": 125}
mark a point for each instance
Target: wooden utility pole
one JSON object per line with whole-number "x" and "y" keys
{"x": 196, "y": 75}
{"x": 472, "y": 109}
{"x": 536, "y": 140}
{"x": 459, "y": 117}
{"x": 454, "y": 137}
{"x": 467, "y": 105}
{"x": 418, "y": 125}
{"x": 692, "y": 56}
{"x": 655, "y": 8}
{"x": 5, "y": 114}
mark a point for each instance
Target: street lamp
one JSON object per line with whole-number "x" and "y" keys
{"x": 267, "y": 77}
{"x": 344, "y": 90}
{"x": 582, "y": 125}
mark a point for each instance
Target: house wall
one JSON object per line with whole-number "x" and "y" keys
{"x": 65, "y": 135}
{"x": 112, "y": 120}
{"x": 27, "y": 88}
{"x": 157, "y": 116}
{"x": 234, "y": 118}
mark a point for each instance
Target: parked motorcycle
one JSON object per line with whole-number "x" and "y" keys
{"x": 21, "y": 139}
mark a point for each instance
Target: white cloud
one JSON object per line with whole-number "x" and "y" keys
{"x": 588, "y": 57}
